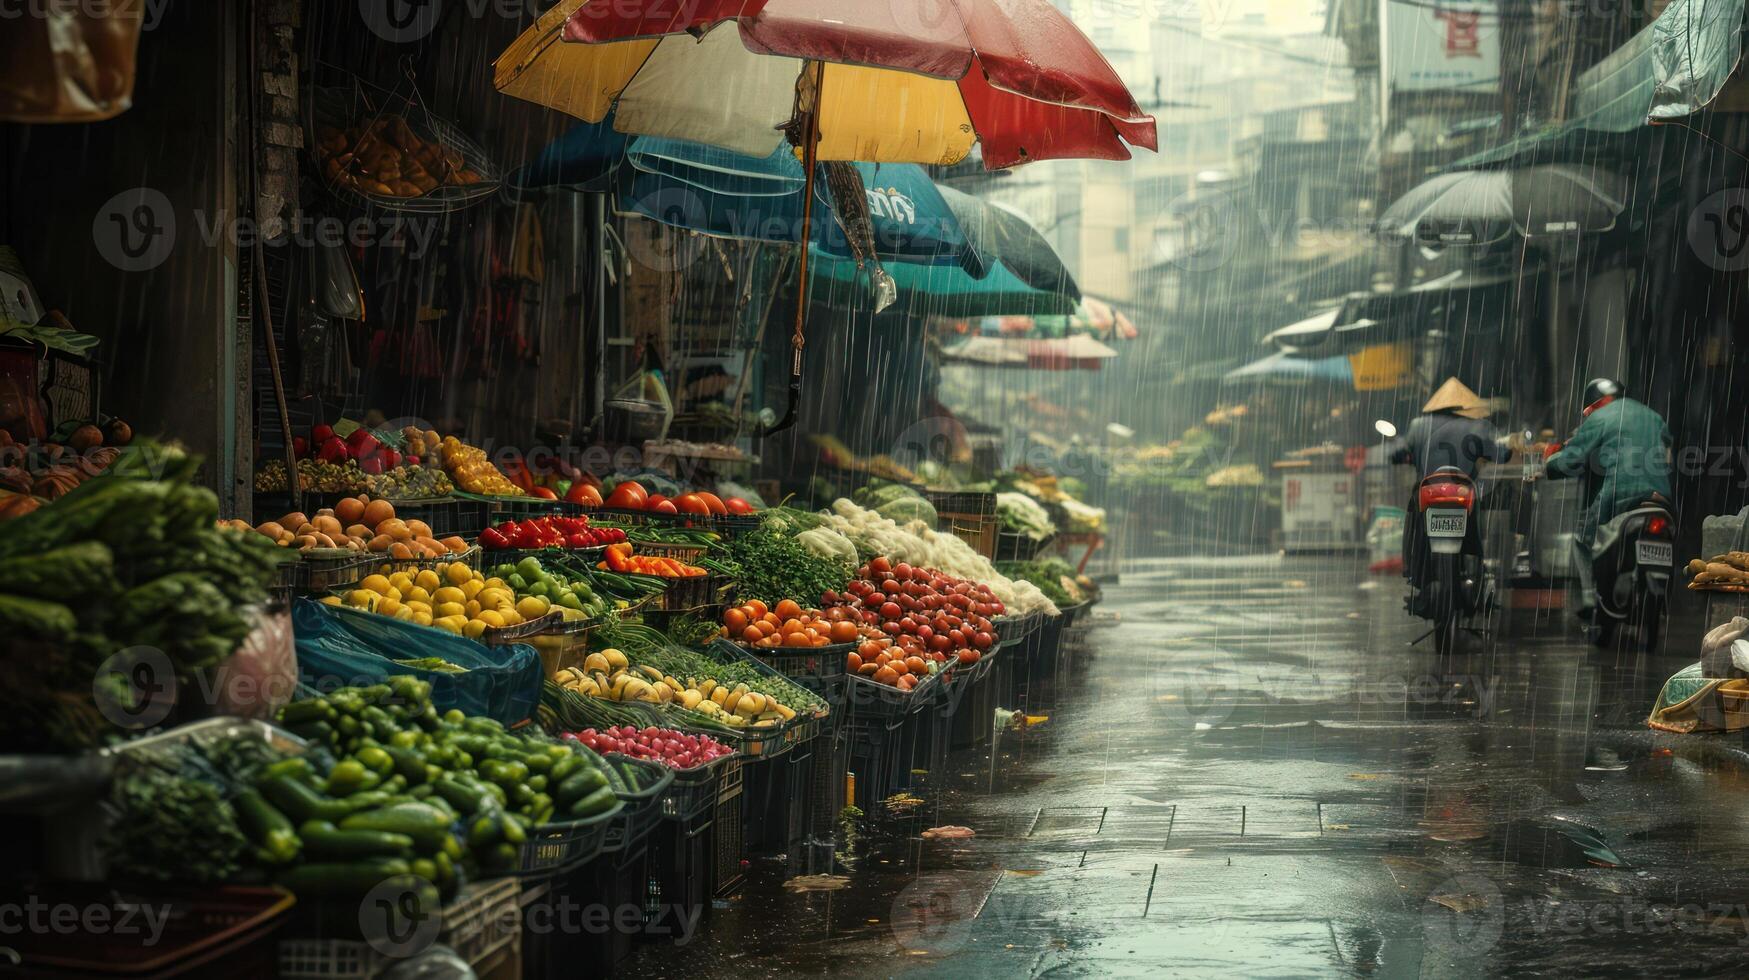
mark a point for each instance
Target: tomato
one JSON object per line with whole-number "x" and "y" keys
{"x": 691, "y": 503}
{"x": 666, "y": 507}
{"x": 736, "y": 505}
{"x": 711, "y": 501}
{"x": 652, "y": 500}
{"x": 584, "y": 494}
{"x": 627, "y": 496}
{"x": 544, "y": 493}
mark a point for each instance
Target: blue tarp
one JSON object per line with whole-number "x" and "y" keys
{"x": 340, "y": 647}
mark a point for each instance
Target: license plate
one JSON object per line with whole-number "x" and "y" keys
{"x": 1447, "y": 523}
{"x": 1662, "y": 553}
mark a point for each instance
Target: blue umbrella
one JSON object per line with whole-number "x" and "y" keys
{"x": 1282, "y": 366}
{"x": 719, "y": 192}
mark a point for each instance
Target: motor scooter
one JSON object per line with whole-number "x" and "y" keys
{"x": 1632, "y": 559}
{"x": 1454, "y": 580}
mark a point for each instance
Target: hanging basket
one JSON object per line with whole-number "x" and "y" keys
{"x": 376, "y": 149}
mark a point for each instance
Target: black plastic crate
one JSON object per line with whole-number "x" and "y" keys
{"x": 819, "y": 669}
{"x": 961, "y": 502}
{"x": 694, "y": 791}
{"x": 778, "y": 802}
{"x": 872, "y": 753}
{"x": 646, "y": 784}
{"x": 1015, "y": 546}
{"x": 681, "y": 871}
{"x": 825, "y": 787}
{"x": 728, "y": 846}
{"x": 614, "y": 883}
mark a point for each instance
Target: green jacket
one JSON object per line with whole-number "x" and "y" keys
{"x": 1623, "y": 450}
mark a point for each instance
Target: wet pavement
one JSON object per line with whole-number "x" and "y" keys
{"x": 1249, "y": 771}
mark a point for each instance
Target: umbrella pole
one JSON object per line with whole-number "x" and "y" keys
{"x": 810, "y": 157}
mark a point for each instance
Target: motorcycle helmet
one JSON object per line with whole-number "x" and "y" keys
{"x": 1600, "y": 390}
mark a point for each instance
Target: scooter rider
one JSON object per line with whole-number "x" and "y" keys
{"x": 1622, "y": 447}
{"x": 1451, "y": 431}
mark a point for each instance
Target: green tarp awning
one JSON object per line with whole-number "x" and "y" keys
{"x": 1669, "y": 71}
{"x": 940, "y": 290}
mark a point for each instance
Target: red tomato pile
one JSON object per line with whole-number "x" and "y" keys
{"x": 927, "y": 616}
{"x": 631, "y": 495}
{"x": 549, "y": 532}
{"x": 676, "y": 750}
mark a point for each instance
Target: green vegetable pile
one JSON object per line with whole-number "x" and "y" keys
{"x": 132, "y": 557}
{"x": 769, "y": 564}
{"x": 169, "y": 824}
{"x": 1053, "y": 576}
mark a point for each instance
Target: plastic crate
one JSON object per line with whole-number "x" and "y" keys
{"x": 825, "y": 787}
{"x": 693, "y": 792}
{"x": 728, "y": 845}
{"x": 483, "y": 919}
{"x": 977, "y": 530}
{"x": 819, "y": 669}
{"x": 870, "y": 748}
{"x": 971, "y": 503}
{"x": 221, "y": 930}
{"x": 864, "y": 698}
{"x": 385, "y": 565}
{"x": 613, "y": 884}
{"x": 442, "y": 514}
{"x": 662, "y": 549}
{"x": 647, "y": 783}
{"x": 554, "y": 848}
{"x": 689, "y": 594}
{"x": 329, "y": 959}
{"x": 682, "y": 867}
{"x": 1014, "y": 546}
{"x": 729, "y": 652}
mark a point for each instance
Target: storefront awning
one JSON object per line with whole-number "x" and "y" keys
{"x": 1458, "y": 301}
{"x": 1059, "y": 354}
{"x": 1669, "y": 71}
{"x": 1284, "y": 367}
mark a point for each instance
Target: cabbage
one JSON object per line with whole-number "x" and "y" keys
{"x": 908, "y": 508}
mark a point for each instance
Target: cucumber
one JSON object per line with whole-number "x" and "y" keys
{"x": 267, "y": 827}
{"x": 300, "y": 802}
{"x": 465, "y": 798}
{"x": 596, "y": 803}
{"x": 341, "y": 880}
{"x": 426, "y": 824}
{"x": 579, "y": 785}
{"x": 324, "y": 841}
{"x": 301, "y": 712}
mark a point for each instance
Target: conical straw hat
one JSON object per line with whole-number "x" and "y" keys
{"x": 1456, "y": 397}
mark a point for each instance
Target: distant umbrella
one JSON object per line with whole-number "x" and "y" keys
{"x": 1478, "y": 207}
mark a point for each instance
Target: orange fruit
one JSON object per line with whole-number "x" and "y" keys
{"x": 854, "y": 662}
{"x": 376, "y": 512}
{"x": 796, "y": 640}
{"x": 766, "y": 627}
{"x": 843, "y": 632}
{"x": 916, "y": 665}
{"x": 792, "y": 626}
{"x": 735, "y": 620}
{"x": 350, "y": 510}
{"x": 886, "y": 675}
{"x": 751, "y": 634}
{"x": 757, "y": 607}
{"x": 788, "y": 609}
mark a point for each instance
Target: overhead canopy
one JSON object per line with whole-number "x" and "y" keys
{"x": 1282, "y": 366}
{"x": 726, "y": 194}
{"x": 1057, "y": 354}
{"x": 1670, "y": 70}
{"x": 1000, "y": 233}
{"x": 1458, "y": 301}
{"x": 1478, "y": 207}
{"x": 1093, "y": 318}
{"x": 943, "y": 290}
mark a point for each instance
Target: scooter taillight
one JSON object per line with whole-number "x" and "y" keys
{"x": 1447, "y": 494}
{"x": 1657, "y": 526}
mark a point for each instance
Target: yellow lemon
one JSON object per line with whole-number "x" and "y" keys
{"x": 415, "y": 594}
{"x": 448, "y": 594}
{"x": 496, "y": 583}
{"x": 474, "y": 629}
{"x": 494, "y": 597}
{"x": 447, "y": 609}
{"x": 472, "y": 606}
{"x": 401, "y": 580}
{"x": 392, "y": 593}
{"x": 331, "y": 600}
{"x": 424, "y": 607}
{"x": 458, "y": 572}
{"x": 532, "y": 607}
{"x": 428, "y": 580}
{"x": 471, "y": 588}
{"x": 422, "y": 618}
{"x": 491, "y": 618}
{"x": 363, "y": 598}
{"x": 453, "y": 624}
{"x": 511, "y": 616}
{"x": 404, "y": 614}
{"x": 388, "y": 605}
{"x": 375, "y": 583}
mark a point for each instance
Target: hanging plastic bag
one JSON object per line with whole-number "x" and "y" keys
{"x": 70, "y": 62}
{"x": 261, "y": 676}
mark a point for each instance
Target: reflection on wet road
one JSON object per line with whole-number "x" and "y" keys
{"x": 1253, "y": 773}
